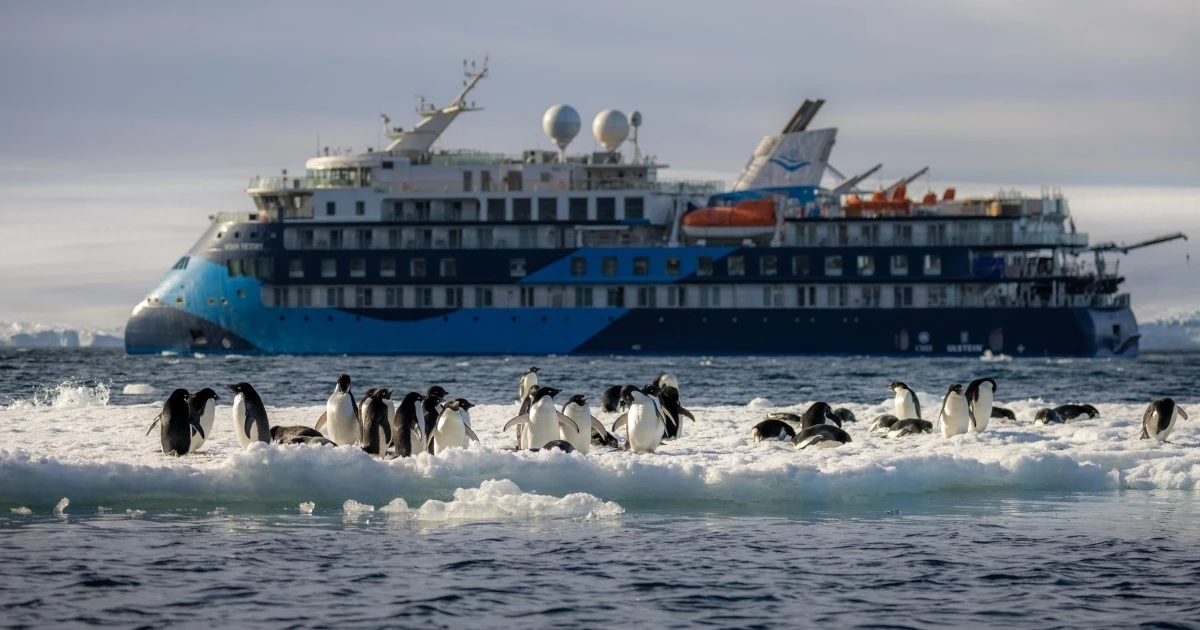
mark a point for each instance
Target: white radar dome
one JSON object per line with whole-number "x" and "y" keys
{"x": 561, "y": 123}
{"x": 610, "y": 128}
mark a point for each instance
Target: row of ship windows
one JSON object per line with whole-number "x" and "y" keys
{"x": 897, "y": 296}
{"x": 734, "y": 266}
{"x": 498, "y": 209}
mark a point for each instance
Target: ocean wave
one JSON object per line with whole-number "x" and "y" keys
{"x": 70, "y": 394}
{"x": 35, "y": 335}
{"x": 100, "y": 455}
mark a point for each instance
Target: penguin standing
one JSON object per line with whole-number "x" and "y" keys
{"x": 576, "y": 408}
{"x": 202, "y": 406}
{"x": 1159, "y": 420}
{"x": 665, "y": 380}
{"x": 450, "y": 431}
{"x": 955, "y": 418}
{"x": 249, "y": 415}
{"x": 540, "y": 424}
{"x": 643, "y": 422}
{"x": 342, "y": 414}
{"x": 673, "y": 411}
{"x": 376, "y": 428}
{"x": 175, "y": 424}
{"x": 408, "y": 434}
{"x": 529, "y": 382}
{"x": 980, "y": 393}
{"x": 431, "y": 409}
{"x": 907, "y": 404}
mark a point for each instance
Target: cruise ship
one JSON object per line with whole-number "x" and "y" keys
{"x": 413, "y": 249}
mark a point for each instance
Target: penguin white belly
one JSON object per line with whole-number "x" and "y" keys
{"x": 905, "y": 407}
{"x": 955, "y": 420}
{"x": 239, "y": 420}
{"x": 581, "y": 439}
{"x": 543, "y": 424}
{"x": 206, "y": 422}
{"x": 339, "y": 416}
{"x": 983, "y": 408}
{"x": 449, "y": 433}
{"x": 644, "y": 429}
{"x": 466, "y": 416}
{"x": 1162, "y": 436}
{"x": 391, "y": 411}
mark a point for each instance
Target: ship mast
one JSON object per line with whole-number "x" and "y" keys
{"x": 435, "y": 120}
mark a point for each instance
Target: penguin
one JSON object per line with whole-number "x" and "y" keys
{"x": 643, "y": 422}
{"x": 376, "y": 429}
{"x": 845, "y": 415}
{"x": 175, "y": 425}
{"x": 528, "y": 383}
{"x": 883, "y": 423}
{"x": 437, "y": 391}
{"x": 783, "y": 416}
{"x": 1048, "y": 416}
{"x": 431, "y": 409}
{"x": 611, "y": 401}
{"x": 450, "y": 431}
{"x": 907, "y": 404}
{"x": 909, "y": 426}
{"x": 294, "y": 434}
{"x": 464, "y": 408}
{"x": 1158, "y": 422}
{"x": 202, "y": 406}
{"x": 822, "y": 436}
{"x": 979, "y": 402}
{"x": 607, "y": 439}
{"x": 664, "y": 380}
{"x": 249, "y": 415}
{"x": 1003, "y": 412}
{"x": 577, "y": 409}
{"x": 540, "y": 423}
{"x": 342, "y": 414}
{"x": 954, "y": 417}
{"x": 1070, "y": 412}
{"x": 819, "y": 413}
{"x": 408, "y": 433}
{"x": 673, "y": 411}
{"x": 772, "y": 429}
{"x": 558, "y": 445}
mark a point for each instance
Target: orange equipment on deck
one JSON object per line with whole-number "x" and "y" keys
{"x": 745, "y": 219}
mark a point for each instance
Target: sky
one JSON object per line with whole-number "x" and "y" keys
{"x": 124, "y": 124}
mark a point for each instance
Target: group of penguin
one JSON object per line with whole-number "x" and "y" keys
{"x": 378, "y": 423}
{"x": 962, "y": 411}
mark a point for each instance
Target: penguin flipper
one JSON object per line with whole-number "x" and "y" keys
{"x": 153, "y": 424}
{"x": 519, "y": 420}
{"x": 321, "y": 421}
{"x": 621, "y": 421}
{"x": 470, "y": 433}
{"x": 198, "y": 428}
{"x": 1182, "y": 413}
{"x": 568, "y": 422}
{"x": 809, "y": 441}
{"x": 685, "y": 412}
{"x": 598, "y": 427}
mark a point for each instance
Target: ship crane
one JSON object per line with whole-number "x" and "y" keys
{"x": 1099, "y": 249}
{"x": 851, "y": 183}
{"x": 905, "y": 181}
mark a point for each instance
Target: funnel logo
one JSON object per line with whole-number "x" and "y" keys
{"x": 790, "y": 164}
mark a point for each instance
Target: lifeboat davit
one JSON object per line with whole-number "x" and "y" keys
{"x": 746, "y": 219}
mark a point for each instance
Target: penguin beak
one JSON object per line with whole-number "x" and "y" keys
{"x": 232, "y": 388}
{"x": 216, "y": 397}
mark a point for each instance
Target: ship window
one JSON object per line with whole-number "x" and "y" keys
{"x": 454, "y": 297}
{"x": 938, "y": 296}
{"x": 305, "y": 296}
{"x": 425, "y": 297}
{"x": 615, "y": 296}
{"x": 387, "y": 165}
{"x": 237, "y": 235}
{"x": 547, "y": 209}
{"x": 583, "y": 296}
{"x": 635, "y": 208}
{"x": 578, "y": 266}
{"x": 641, "y": 266}
{"x": 281, "y": 296}
{"x": 768, "y": 265}
{"x": 606, "y": 209}
{"x": 704, "y": 266}
{"x": 468, "y": 180}
{"x": 364, "y": 297}
{"x": 608, "y": 266}
{"x": 295, "y": 268}
{"x": 527, "y": 297}
{"x": 328, "y": 268}
{"x": 234, "y": 267}
{"x": 835, "y": 296}
{"x": 485, "y": 181}
{"x": 448, "y": 268}
{"x": 903, "y": 234}
{"x": 522, "y": 209}
{"x": 495, "y": 210}
{"x": 800, "y": 265}
{"x": 212, "y": 301}
{"x": 416, "y": 267}
{"x": 335, "y": 239}
{"x": 871, "y": 295}
{"x": 866, "y": 265}
{"x": 735, "y": 266}
{"x": 335, "y": 296}
{"x": 833, "y": 265}
{"x": 391, "y": 297}
{"x": 676, "y": 296}
{"x": 224, "y": 302}
{"x": 710, "y": 296}
{"x": 772, "y": 296}
{"x": 358, "y": 267}
{"x": 933, "y": 264}
{"x": 806, "y": 296}
{"x": 264, "y": 267}
{"x": 387, "y": 267}
{"x": 902, "y": 296}
{"x": 647, "y": 297}
{"x": 899, "y": 265}
{"x": 483, "y": 297}
{"x": 360, "y": 208}
{"x": 673, "y": 266}
{"x": 330, "y": 208}
{"x": 577, "y": 208}
{"x": 516, "y": 267}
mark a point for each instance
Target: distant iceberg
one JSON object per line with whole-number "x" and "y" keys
{"x": 1175, "y": 330}
{"x": 31, "y": 335}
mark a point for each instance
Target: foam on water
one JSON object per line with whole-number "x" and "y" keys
{"x": 69, "y": 394}
{"x": 139, "y": 389}
{"x": 502, "y": 500}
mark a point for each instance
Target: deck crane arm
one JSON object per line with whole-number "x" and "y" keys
{"x": 1125, "y": 249}
{"x": 904, "y": 181}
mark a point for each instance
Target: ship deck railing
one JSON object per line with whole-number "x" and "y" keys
{"x": 676, "y": 186}
{"x": 1047, "y": 239}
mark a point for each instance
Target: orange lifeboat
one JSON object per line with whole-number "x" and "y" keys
{"x": 746, "y": 219}
{"x": 881, "y": 201}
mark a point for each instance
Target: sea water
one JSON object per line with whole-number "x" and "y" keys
{"x": 1020, "y": 526}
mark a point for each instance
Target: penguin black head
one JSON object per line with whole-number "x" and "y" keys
{"x": 627, "y": 394}
{"x": 543, "y": 392}
{"x": 413, "y": 397}
{"x": 385, "y": 393}
{"x": 1092, "y": 412}
{"x": 343, "y": 383}
{"x": 205, "y": 395}
{"x": 897, "y": 385}
{"x": 652, "y": 389}
{"x": 578, "y": 399}
{"x": 245, "y": 389}
{"x": 533, "y": 370}
{"x": 453, "y": 405}
{"x": 957, "y": 388}
{"x": 463, "y": 403}
{"x": 178, "y": 395}
{"x": 370, "y": 392}
{"x": 436, "y": 391}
